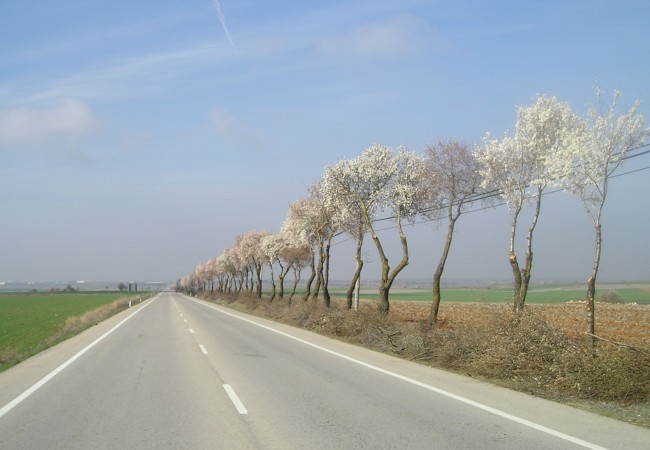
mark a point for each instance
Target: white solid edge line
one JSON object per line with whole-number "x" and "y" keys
{"x": 467, "y": 401}
{"x": 15, "y": 402}
{"x": 241, "y": 409}
{"x": 203, "y": 350}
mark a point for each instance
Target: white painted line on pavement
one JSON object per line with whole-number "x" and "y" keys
{"x": 15, "y": 402}
{"x": 467, "y": 401}
{"x": 203, "y": 350}
{"x": 191, "y": 331}
{"x": 185, "y": 320}
{"x": 241, "y": 409}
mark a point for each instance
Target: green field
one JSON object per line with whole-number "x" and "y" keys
{"x": 502, "y": 295}
{"x": 28, "y": 321}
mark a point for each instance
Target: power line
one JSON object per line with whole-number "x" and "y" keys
{"x": 495, "y": 193}
{"x": 631, "y": 171}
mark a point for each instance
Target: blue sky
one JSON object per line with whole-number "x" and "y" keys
{"x": 138, "y": 138}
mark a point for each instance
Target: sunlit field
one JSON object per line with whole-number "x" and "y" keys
{"x": 31, "y": 322}
{"x": 554, "y": 294}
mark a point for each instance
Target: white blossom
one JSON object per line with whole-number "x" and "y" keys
{"x": 520, "y": 168}
{"x": 599, "y": 149}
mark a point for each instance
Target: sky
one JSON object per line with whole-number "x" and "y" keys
{"x": 139, "y": 138}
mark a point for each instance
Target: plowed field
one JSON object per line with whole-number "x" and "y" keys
{"x": 623, "y": 323}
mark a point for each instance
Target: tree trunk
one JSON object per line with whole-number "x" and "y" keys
{"x": 384, "y": 289}
{"x": 296, "y": 280}
{"x": 272, "y": 283}
{"x": 258, "y": 274}
{"x": 526, "y": 273}
{"x": 384, "y": 304}
{"x": 281, "y": 276}
{"x": 319, "y": 269}
{"x": 357, "y": 290}
{"x": 591, "y": 283}
{"x": 250, "y": 283}
{"x": 437, "y": 276}
{"x": 326, "y": 275}
{"x": 357, "y": 273}
{"x": 312, "y": 266}
{"x": 514, "y": 264}
{"x": 388, "y": 282}
{"x": 386, "y": 278}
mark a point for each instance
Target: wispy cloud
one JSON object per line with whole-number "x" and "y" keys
{"x": 238, "y": 137}
{"x": 222, "y": 120}
{"x": 53, "y": 126}
{"x": 123, "y": 78}
{"x": 83, "y": 42}
{"x": 397, "y": 37}
{"x": 222, "y": 19}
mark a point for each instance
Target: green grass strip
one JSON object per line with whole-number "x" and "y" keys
{"x": 28, "y": 322}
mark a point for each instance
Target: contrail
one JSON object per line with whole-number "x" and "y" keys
{"x": 222, "y": 19}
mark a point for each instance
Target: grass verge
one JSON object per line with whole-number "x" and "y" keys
{"x": 33, "y": 322}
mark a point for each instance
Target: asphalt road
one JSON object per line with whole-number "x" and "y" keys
{"x": 174, "y": 372}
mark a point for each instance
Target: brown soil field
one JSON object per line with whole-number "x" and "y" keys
{"x": 623, "y": 323}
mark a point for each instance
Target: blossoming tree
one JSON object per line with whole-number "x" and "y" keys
{"x": 588, "y": 165}
{"x": 519, "y": 169}
{"x": 296, "y": 256}
{"x": 453, "y": 182}
{"x": 300, "y": 250}
{"x": 350, "y": 218}
{"x": 250, "y": 248}
{"x": 380, "y": 180}
{"x": 271, "y": 247}
{"x": 298, "y": 228}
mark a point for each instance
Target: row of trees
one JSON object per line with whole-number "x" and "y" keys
{"x": 551, "y": 146}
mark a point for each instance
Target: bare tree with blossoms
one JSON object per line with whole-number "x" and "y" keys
{"x": 453, "y": 180}
{"x": 293, "y": 255}
{"x": 324, "y": 222}
{"x": 589, "y": 164}
{"x": 250, "y": 248}
{"x": 296, "y": 257}
{"x": 272, "y": 246}
{"x": 314, "y": 224}
{"x": 199, "y": 272}
{"x": 220, "y": 271}
{"x": 350, "y": 218}
{"x": 236, "y": 268}
{"x": 190, "y": 284}
{"x": 297, "y": 227}
{"x": 379, "y": 180}
{"x": 210, "y": 272}
{"x": 519, "y": 169}
{"x": 285, "y": 266}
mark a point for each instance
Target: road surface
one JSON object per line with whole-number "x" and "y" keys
{"x": 175, "y": 372}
